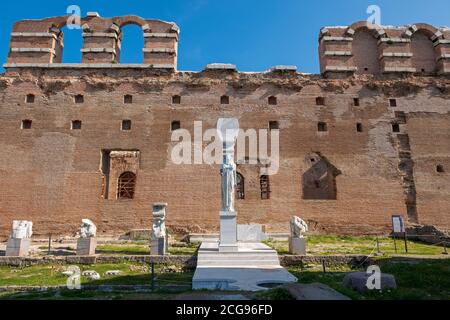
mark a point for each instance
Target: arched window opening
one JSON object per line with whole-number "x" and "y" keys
{"x": 126, "y": 185}
{"x": 265, "y": 187}
{"x": 131, "y": 44}
{"x": 240, "y": 192}
{"x": 72, "y": 41}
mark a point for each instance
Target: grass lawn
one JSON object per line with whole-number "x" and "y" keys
{"x": 316, "y": 245}
{"x": 131, "y": 273}
{"x": 88, "y": 295}
{"x": 416, "y": 279}
{"x": 332, "y": 245}
{"x": 420, "y": 280}
{"x": 142, "y": 248}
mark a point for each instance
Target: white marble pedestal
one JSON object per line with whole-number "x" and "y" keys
{"x": 228, "y": 231}
{"x": 17, "y": 247}
{"x": 86, "y": 246}
{"x": 252, "y": 265}
{"x": 297, "y": 245}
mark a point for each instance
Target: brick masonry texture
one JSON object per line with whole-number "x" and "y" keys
{"x": 53, "y": 175}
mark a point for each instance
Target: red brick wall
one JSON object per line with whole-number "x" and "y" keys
{"x": 424, "y": 55}
{"x": 399, "y": 50}
{"x": 52, "y": 174}
{"x": 365, "y": 52}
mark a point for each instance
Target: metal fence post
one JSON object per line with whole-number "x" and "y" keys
{"x": 406, "y": 243}
{"x": 378, "y": 246}
{"x": 395, "y": 244}
{"x": 153, "y": 274}
{"x": 49, "y": 244}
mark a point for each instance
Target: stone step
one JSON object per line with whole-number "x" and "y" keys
{"x": 237, "y": 258}
{"x": 239, "y": 263}
{"x": 243, "y": 254}
{"x": 232, "y": 255}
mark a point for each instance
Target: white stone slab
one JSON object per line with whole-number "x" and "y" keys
{"x": 228, "y": 231}
{"x": 17, "y": 247}
{"x": 86, "y": 246}
{"x": 250, "y": 232}
{"x": 200, "y": 237}
{"x": 220, "y": 66}
{"x": 297, "y": 245}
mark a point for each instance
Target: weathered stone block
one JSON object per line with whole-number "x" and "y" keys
{"x": 159, "y": 246}
{"x": 86, "y": 246}
{"x": 17, "y": 247}
{"x": 250, "y": 232}
{"x": 297, "y": 245}
{"x": 358, "y": 281}
{"x": 228, "y": 231}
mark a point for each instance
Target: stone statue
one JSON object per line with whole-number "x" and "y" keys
{"x": 87, "y": 229}
{"x": 22, "y": 229}
{"x": 228, "y": 130}
{"x": 159, "y": 226}
{"x": 159, "y": 243}
{"x": 298, "y": 226}
{"x": 18, "y": 244}
{"x": 228, "y": 173}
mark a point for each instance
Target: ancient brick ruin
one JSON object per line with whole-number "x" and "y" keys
{"x": 367, "y": 138}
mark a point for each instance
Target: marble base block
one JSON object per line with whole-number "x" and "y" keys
{"x": 297, "y": 246}
{"x": 250, "y": 232}
{"x": 228, "y": 231}
{"x": 17, "y": 247}
{"x": 86, "y": 246}
{"x": 158, "y": 246}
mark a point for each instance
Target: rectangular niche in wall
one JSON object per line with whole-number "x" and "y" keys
{"x": 120, "y": 173}
{"x": 319, "y": 178}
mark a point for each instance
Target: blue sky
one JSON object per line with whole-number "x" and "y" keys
{"x": 253, "y": 34}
